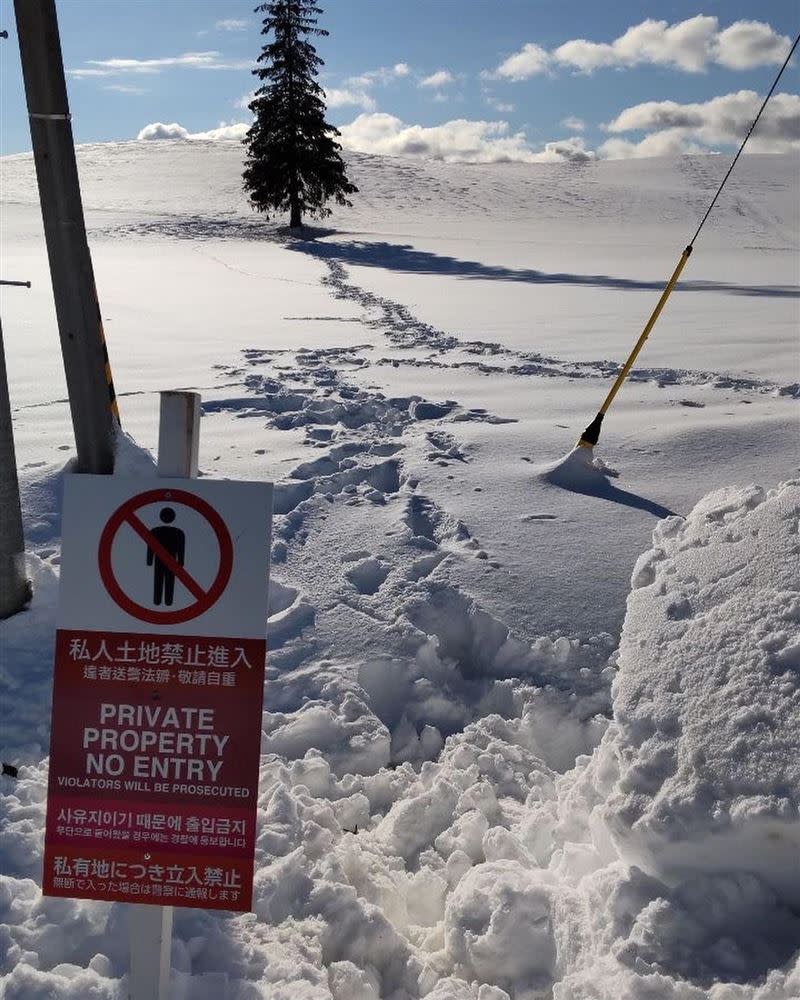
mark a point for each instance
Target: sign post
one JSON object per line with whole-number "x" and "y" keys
{"x": 151, "y": 926}
{"x": 157, "y": 695}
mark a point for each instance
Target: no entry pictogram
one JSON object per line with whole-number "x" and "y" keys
{"x": 166, "y": 560}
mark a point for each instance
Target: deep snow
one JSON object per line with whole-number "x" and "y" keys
{"x": 451, "y": 806}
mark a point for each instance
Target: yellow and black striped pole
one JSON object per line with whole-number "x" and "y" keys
{"x": 591, "y": 435}
{"x": 112, "y": 395}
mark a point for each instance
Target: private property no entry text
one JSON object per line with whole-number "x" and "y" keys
{"x": 171, "y": 743}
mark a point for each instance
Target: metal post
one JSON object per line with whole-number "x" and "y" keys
{"x": 179, "y": 434}
{"x": 15, "y": 589}
{"x": 91, "y": 394}
{"x": 151, "y": 926}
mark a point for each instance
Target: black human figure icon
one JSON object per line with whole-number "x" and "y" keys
{"x": 174, "y": 541}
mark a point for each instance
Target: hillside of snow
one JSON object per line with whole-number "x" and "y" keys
{"x": 491, "y": 770}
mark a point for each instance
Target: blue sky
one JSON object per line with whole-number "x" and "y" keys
{"x": 518, "y": 62}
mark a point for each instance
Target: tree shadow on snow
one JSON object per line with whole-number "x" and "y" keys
{"x": 408, "y": 260}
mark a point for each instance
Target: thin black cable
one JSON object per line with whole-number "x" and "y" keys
{"x": 749, "y": 131}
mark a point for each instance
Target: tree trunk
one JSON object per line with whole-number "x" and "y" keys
{"x": 296, "y": 217}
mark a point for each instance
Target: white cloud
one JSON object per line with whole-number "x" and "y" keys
{"x": 158, "y": 130}
{"x": 383, "y": 75}
{"x": 671, "y": 128}
{"x": 230, "y": 24}
{"x": 457, "y": 141}
{"x": 342, "y": 98}
{"x": 438, "y": 79}
{"x": 359, "y": 81}
{"x": 189, "y": 60}
{"x": 504, "y": 107}
{"x": 670, "y": 142}
{"x": 574, "y": 124}
{"x": 689, "y": 45}
{"x": 686, "y": 45}
{"x": 122, "y": 89}
{"x": 522, "y": 65}
{"x": 572, "y": 150}
{"x": 747, "y": 44}
{"x": 233, "y": 132}
{"x": 245, "y": 101}
{"x": 702, "y": 126}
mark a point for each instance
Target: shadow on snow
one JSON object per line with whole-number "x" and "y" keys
{"x": 406, "y": 259}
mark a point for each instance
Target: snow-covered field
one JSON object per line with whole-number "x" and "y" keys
{"x": 491, "y": 769}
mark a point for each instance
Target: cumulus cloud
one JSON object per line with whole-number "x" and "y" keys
{"x": 337, "y": 98}
{"x": 522, "y": 65}
{"x": 572, "y": 150}
{"x": 747, "y": 44}
{"x": 574, "y": 124}
{"x": 233, "y": 132}
{"x": 697, "y": 127}
{"x": 456, "y": 141}
{"x": 158, "y": 130}
{"x": 453, "y": 141}
{"x": 686, "y": 45}
{"x": 669, "y": 142}
{"x": 689, "y": 45}
{"x": 189, "y": 60}
{"x": 438, "y": 79}
{"x": 230, "y": 24}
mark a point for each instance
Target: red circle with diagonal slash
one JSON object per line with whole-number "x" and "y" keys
{"x": 204, "y": 599}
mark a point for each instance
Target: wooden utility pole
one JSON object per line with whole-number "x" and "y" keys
{"x": 91, "y": 392}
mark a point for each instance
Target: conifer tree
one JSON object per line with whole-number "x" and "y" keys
{"x": 292, "y": 160}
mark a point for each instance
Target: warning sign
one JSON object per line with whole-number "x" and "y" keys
{"x": 158, "y": 690}
{"x": 166, "y": 545}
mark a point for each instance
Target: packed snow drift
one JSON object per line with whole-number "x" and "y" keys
{"x": 505, "y": 755}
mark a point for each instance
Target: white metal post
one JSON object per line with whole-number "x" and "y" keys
{"x": 151, "y": 926}
{"x": 179, "y": 434}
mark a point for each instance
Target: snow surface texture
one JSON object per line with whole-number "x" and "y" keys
{"x": 707, "y": 700}
{"x": 487, "y": 873}
{"x": 449, "y": 806}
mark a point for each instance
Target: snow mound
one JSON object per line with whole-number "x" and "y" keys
{"x": 499, "y": 924}
{"x": 707, "y": 699}
{"x": 577, "y": 470}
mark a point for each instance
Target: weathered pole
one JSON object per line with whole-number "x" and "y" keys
{"x": 15, "y": 589}
{"x": 91, "y": 392}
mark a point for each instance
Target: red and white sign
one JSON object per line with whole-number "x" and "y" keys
{"x": 158, "y": 690}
